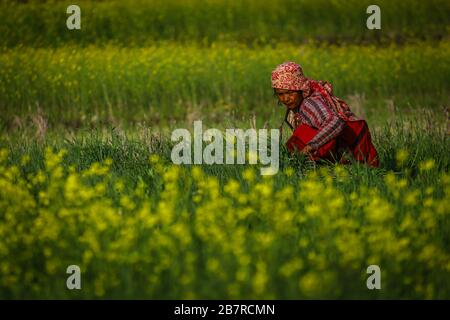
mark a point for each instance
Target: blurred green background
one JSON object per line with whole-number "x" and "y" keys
{"x": 166, "y": 63}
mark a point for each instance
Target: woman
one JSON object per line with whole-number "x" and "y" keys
{"x": 324, "y": 126}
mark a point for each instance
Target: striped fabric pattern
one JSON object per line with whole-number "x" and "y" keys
{"x": 315, "y": 112}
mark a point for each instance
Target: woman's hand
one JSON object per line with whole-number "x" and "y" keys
{"x": 308, "y": 150}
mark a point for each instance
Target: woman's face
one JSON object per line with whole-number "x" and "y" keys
{"x": 291, "y": 99}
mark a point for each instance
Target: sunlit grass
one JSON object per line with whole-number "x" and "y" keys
{"x": 140, "y": 227}
{"x": 173, "y": 83}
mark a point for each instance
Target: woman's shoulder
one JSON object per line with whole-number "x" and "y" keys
{"x": 315, "y": 100}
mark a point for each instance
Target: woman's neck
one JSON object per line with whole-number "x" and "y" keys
{"x": 296, "y": 109}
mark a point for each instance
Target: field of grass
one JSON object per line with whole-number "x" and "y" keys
{"x": 86, "y": 176}
{"x": 171, "y": 84}
{"x": 142, "y": 22}
{"x": 141, "y": 227}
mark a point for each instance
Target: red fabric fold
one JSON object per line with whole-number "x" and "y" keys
{"x": 355, "y": 138}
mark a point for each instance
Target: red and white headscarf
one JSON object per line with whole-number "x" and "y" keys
{"x": 289, "y": 75}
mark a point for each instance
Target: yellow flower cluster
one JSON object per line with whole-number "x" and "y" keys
{"x": 185, "y": 235}
{"x": 102, "y": 80}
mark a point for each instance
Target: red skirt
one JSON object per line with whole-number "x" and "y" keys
{"x": 355, "y": 137}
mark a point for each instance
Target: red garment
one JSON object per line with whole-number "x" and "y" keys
{"x": 355, "y": 137}
{"x": 315, "y": 112}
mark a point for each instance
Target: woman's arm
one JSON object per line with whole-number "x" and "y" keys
{"x": 324, "y": 119}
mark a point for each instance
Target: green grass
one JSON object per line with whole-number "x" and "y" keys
{"x": 110, "y": 95}
{"x": 172, "y": 83}
{"x": 130, "y": 149}
{"x": 251, "y": 22}
{"x": 133, "y": 260}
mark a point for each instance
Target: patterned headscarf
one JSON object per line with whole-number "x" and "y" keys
{"x": 289, "y": 76}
